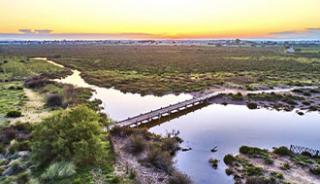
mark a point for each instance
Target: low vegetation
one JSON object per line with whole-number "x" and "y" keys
{"x": 152, "y": 153}
{"x": 69, "y": 146}
{"x": 254, "y": 165}
{"x": 167, "y": 69}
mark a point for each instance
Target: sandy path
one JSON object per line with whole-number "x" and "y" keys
{"x": 33, "y": 110}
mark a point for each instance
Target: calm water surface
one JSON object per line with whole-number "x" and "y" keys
{"x": 227, "y": 127}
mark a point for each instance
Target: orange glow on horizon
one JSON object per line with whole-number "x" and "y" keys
{"x": 161, "y": 18}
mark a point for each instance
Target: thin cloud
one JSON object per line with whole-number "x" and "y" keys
{"x": 308, "y": 33}
{"x": 43, "y": 31}
{"x": 25, "y": 31}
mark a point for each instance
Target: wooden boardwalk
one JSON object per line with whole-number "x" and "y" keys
{"x": 164, "y": 111}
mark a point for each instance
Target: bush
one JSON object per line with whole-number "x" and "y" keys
{"x": 252, "y": 105}
{"x": 14, "y": 114}
{"x": 285, "y": 166}
{"x": 73, "y": 134}
{"x": 252, "y": 150}
{"x": 315, "y": 170}
{"x": 136, "y": 144}
{"x": 282, "y": 151}
{"x": 214, "y": 163}
{"x": 54, "y": 100}
{"x": 59, "y": 170}
{"x": 178, "y": 178}
{"x": 36, "y": 82}
{"x": 229, "y": 171}
{"x": 229, "y": 159}
{"x": 259, "y": 180}
{"x": 170, "y": 144}
{"x": 307, "y": 154}
{"x": 253, "y": 171}
{"x": 159, "y": 159}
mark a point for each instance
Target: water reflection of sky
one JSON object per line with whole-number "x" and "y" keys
{"x": 120, "y": 105}
{"x": 229, "y": 127}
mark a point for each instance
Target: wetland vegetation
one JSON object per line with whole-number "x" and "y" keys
{"x": 34, "y": 108}
{"x": 254, "y": 165}
{"x": 175, "y": 69}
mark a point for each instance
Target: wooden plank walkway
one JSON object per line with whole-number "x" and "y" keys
{"x": 164, "y": 111}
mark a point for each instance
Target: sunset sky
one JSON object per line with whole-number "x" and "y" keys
{"x": 186, "y": 19}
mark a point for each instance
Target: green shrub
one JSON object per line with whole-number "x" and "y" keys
{"x": 54, "y": 100}
{"x": 73, "y": 134}
{"x": 259, "y": 180}
{"x": 307, "y": 154}
{"x": 253, "y": 171}
{"x": 252, "y": 105}
{"x": 170, "y": 144}
{"x": 159, "y": 159}
{"x": 178, "y": 178}
{"x": 229, "y": 159}
{"x": 315, "y": 170}
{"x": 228, "y": 171}
{"x": 14, "y": 114}
{"x": 59, "y": 170}
{"x": 277, "y": 175}
{"x": 268, "y": 161}
{"x": 282, "y": 151}
{"x": 252, "y": 150}
{"x": 285, "y": 166}
{"x": 136, "y": 144}
{"x": 214, "y": 163}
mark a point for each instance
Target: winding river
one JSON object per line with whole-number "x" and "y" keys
{"x": 227, "y": 127}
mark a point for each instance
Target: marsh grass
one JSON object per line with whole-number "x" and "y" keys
{"x": 167, "y": 69}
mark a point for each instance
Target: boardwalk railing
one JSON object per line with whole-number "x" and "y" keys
{"x": 300, "y": 149}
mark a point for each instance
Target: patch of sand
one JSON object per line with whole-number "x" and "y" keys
{"x": 33, "y": 110}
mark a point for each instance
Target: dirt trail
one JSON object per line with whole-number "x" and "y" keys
{"x": 33, "y": 110}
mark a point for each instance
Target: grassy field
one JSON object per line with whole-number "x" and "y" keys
{"x": 11, "y": 98}
{"x": 18, "y": 136}
{"x": 167, "y": 69}
{"x": 19, "y": 68}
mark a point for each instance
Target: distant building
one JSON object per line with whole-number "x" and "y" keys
{"x": 290, "y": 50}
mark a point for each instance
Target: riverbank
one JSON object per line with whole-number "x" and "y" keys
{"x": 147, "y": 157}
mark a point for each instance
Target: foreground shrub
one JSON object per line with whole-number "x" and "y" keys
{"x": 252, "y": 150}
{"x": 73, "y": 134}
{"x": 170, "y": 144}
{"x": 136, "y": 144}
{"x": 59, "y": 170}
{"x": 54, "y": 100}
{"x": 36, "y": 82}
{"x": 179, "y": 178}
{"x": 213, "y": 163}
{"x": 229, "y": 159}
{"x": 159, "y": 159}
{"x": 14, "y": 114}
{"x": 259, "y": 180}
{"x": 315, "y": 170}
{"x": 252, "y": 105}
{"x": 282, "y": 151}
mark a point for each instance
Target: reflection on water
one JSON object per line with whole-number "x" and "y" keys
{"x": 120, "y": 105}
{"x": 229, "y": 127}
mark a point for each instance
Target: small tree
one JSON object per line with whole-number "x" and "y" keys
{"x": 73, "y": 134}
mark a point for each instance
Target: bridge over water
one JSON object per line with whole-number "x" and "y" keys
{"x": 165, "y": 111}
